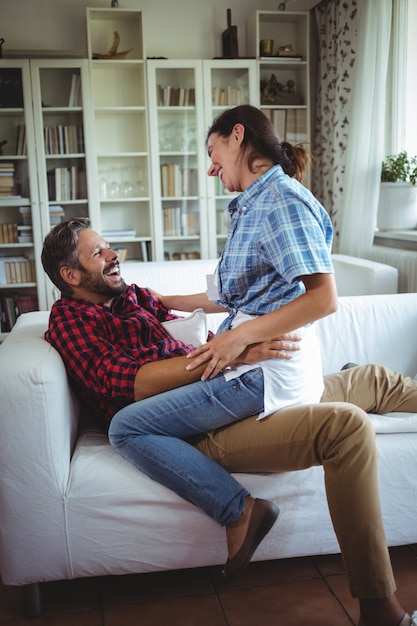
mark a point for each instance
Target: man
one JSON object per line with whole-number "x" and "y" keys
{"x": 116, "y": 353}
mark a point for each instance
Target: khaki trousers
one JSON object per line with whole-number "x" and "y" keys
{"x": 337, "y": 434}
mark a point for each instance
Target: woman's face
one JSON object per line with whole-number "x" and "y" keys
{"x": 225, "y": 155}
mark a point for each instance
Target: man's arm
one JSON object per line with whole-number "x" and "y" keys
{"x": 159, "y": 376}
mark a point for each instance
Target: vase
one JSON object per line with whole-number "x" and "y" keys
{"x": 397, "y": 206}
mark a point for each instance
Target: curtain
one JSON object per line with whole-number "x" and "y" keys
{"x": 366, "y": 147}
{"x": 334, "y": 44}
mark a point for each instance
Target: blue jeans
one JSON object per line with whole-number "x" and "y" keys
{"x": 150, "y": 434}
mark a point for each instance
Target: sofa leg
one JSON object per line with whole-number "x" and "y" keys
{"x": 32, "y": 600}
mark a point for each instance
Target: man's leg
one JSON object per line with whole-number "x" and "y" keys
{"x": 340, "y": 437}
{"x": 374, "y": 388}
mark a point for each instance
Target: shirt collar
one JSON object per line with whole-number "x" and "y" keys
{"x": 246, "y": 197}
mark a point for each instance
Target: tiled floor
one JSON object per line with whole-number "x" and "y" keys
{"x": 293, "y": 592}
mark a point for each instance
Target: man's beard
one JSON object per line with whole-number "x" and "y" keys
{"x": 99, "y": 285}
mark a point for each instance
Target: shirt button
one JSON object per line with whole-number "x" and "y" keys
{"x": 244, "y": 209}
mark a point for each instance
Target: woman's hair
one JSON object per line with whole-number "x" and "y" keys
{"x": 60, "y": 249}
{"x": 261, "y": 140}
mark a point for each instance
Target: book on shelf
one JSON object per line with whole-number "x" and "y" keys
{"x": 180, "y": 223}
{"x": 63, "y": 139}
{"x": 227, "y": 96}
{"x": 21, "y": 147}
{"x": 74, "y": 99}
{"x": 11, "y": 306}
{"x": 177, "y": 181}
{"x": 290, "y": 124}
{"x": 125, "y": 233}
{"x": 9, "y": 270}
{"x": 9, "y": 233}
{"x": 24, "y": 234}
{"x": 175, "y": 96}
{"x": 67, "y": 183}
{"x": 7, "y": 179}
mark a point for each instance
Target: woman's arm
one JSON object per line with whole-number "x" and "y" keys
{"x": 189, "y": 302}
{"x": 319, "y": 300}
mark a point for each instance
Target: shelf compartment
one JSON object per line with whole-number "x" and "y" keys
{"x": 118, "y": 84}
{"x": 102, "y": 23}
{"x": 120, "y": 134}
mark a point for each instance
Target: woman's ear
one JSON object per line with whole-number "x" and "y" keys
{"x": 238, "y": 133}
{"x": 70, "y": 275}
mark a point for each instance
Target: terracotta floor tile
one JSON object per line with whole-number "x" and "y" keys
{"x": 289, "y": 603}
{"x": 10, "y": 603}
{"x": 194, "y": 611}
{"x": 267, "y": 573}
{"x": 406, "y": 579}
{"x": 154, "y": 586}
{"x": 81, "y": 594}
{"x": 402, "y": 554}
{"x": 329, "y": 564}
{"x": 339, "y": 585}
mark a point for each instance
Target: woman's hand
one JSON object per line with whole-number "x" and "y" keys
{"x": 229, "y": 348}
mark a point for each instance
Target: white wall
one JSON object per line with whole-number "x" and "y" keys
{"x": 173, "y": 28}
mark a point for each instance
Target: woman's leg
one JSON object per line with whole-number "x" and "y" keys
{"x": 340, "y": 437}
{"x": 150, "y": 434}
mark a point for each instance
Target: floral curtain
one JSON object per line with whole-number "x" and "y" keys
{"x": 368, "y": 128}
{"x": 335, "y": 39}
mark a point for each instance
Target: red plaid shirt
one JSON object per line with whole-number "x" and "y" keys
{"x": 103, "y": 347}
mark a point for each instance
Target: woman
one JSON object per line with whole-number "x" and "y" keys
{"x": 274, "y": 277}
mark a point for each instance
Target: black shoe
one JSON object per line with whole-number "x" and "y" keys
{"x": 347, "y": 366}
{"x": 263, "y": 517}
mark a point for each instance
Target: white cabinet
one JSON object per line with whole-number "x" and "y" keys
{"x": 44, "y": 117}
{"x": 190, "y": 208}
{"x": 120, "y": 131}
{"x": 178, "y": 165}
{"x": 63, "y": 139}
{"x": 283, "y": 74}
{"x": 21, "y": 279}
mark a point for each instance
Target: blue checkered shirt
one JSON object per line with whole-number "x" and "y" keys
{"x": 279, "y": 231}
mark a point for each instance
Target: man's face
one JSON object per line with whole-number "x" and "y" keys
{"x": 99, "y": 271}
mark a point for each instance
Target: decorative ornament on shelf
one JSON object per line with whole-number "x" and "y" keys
{"x": 112, "y": 54}
{"x": 273, "y": 92}
{"x": 286, "y": 51}
{"x": 229, "y": 39}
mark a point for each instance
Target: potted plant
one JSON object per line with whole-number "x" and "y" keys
{"x": 397, "y": 206}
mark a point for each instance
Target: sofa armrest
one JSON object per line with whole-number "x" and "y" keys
{"x": 38, "y": 427}
{"x": 360, "y": 277}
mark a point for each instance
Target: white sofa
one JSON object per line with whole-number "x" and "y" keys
{"x": 71, "y": 507}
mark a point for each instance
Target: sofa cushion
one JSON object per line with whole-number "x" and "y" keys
{"x": 191, "y": 329}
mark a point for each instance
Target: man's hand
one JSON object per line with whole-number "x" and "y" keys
{"x": 225, "y": 350}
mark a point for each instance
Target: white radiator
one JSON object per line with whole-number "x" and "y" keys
{"x": 404, "y": 260}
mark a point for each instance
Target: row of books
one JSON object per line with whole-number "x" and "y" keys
{"x": 7, "y": 179}
{"x": 64, "y": 139}
{"x": 181, "y": 256}
{"x": 8, "y": 233}
{"x": 15, "y": 270}
{"x": 67, "y": 183}
{"x": 177, "y": 181}
{"x": 178, "y": 222}
{"x": 228, "y": 96}
{"x": 176, "y": 96}
{"x": 290, "y": 124}
{"x": 11, "y": 306}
